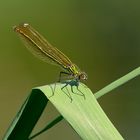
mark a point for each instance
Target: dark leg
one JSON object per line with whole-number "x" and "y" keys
{"x": 53, "y": 89}
{"x": 65, "y": 86}
{"x": 82, "y": 94}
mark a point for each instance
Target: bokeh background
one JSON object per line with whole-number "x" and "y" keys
{"x": 101, "y": 37}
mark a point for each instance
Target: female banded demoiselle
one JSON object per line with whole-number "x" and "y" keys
{"x": 41, "y": 48}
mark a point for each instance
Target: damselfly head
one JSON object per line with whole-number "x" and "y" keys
{"x": 83, "y": 76}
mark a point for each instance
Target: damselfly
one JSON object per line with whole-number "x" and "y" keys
{"x": 41, "y": 48}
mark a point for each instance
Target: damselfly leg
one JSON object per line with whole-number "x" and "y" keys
{"x": 67, "y": 93}
{"x": 72, "y": 83}
{"x": 59, "y": 80}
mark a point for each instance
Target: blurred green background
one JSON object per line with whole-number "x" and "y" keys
{"x": 101, "y": 37}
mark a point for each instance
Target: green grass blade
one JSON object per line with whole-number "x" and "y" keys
{"x": 84, "y": 115}
{"x": 113, "y": 85}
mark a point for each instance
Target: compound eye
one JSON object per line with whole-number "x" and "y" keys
{"x": 83, "y": 76}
